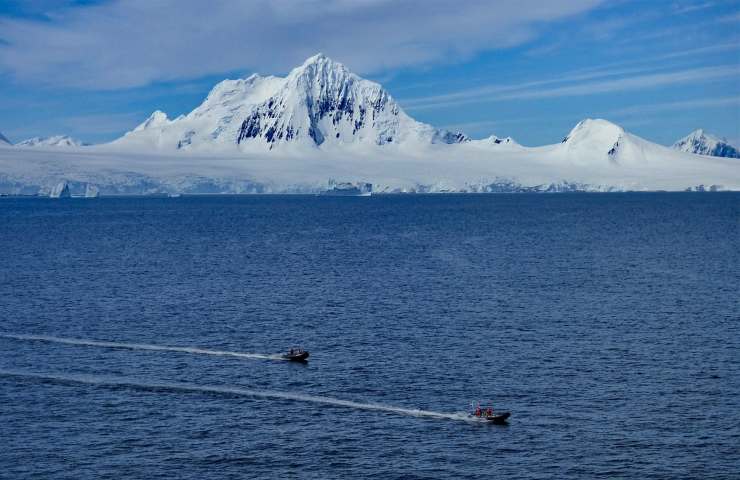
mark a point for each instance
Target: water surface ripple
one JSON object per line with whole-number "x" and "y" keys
{"x": 138, "y": 336}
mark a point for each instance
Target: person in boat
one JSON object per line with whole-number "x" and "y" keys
{"x": 489, "y": 412}
{"x": 291, "y": 352}
{"x": 478, "y": 411}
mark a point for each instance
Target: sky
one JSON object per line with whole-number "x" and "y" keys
{"x": 530, "y": 69}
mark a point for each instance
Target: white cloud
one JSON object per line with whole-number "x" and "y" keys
{"x": 534, "y": 90}
{"x": 638, "y": 82}
{"x": 493, "y": 92}
{"x": 681, "y": 105}
{"x": 136, "y": 42}
{"x": 680, "y": 9}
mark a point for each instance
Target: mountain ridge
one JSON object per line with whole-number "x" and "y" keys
{"x": 54, "y": 141}
{"x": 320, "y": 102}
{"x": 322, "y": 122}
{"x": 703, "y": 143}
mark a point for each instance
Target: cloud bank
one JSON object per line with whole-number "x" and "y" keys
{"x": 131, "y": 43}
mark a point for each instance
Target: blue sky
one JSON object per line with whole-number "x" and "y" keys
{"x": 526, "y": 68}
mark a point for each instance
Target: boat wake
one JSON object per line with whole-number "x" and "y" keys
{"x": 141, "y": 346}
{"x": 238, "y": 391}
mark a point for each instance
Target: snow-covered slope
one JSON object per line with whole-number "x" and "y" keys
{"x": 321, "y": 123}
{"x": 4, "y": 140}
{"x": 54, "y": 142}
{"x": 597, "y": 143}
{"x": 703, "y": 143}
{"x": 212, "y": 125}
{"x": 599, "y": 140}
{"x": 596, "y": 156}
{"x": 320, "y": 103}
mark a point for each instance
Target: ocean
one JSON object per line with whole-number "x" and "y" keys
{"x": 140, "y": 337}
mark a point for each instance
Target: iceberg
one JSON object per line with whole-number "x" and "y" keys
{"x": 60, "y": 190}
{"x": 91, "y": 191}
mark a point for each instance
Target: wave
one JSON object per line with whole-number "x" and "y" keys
{"x": 239, "y": 391}
{"x": 141, "y": 346}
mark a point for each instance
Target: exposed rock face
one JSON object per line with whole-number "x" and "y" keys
{"x": 322, "y": 101}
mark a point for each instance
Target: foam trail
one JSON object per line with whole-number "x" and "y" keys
{"x": 245, "y": 392}
{"x": 139, "y": 346}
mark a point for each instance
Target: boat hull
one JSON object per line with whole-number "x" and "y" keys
{"x": 496, "y": 418}
{"x": 296, "y": 357}
{"x": 499, "y": 418}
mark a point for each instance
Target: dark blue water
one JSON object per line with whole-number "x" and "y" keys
{"x": 608, "y": 324}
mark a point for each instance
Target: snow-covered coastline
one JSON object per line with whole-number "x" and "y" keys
{"x": 635, "y": 165}
{"x": 322, "y": 122}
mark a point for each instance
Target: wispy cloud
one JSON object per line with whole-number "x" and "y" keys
{"x": 724, "y": 47}
{"x": 732, "y": 18}
{"x": 723, "y": 102}
{"x": 680, "y": 9}
{"x": 491, "y": 91}
{"x": 629, "y": 83}
{"x": 614, "y": 69}
{"x": 598, "y": 84}
{"x": 130, "y": 43}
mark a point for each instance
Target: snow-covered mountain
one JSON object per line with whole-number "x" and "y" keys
{"x": 320, "y": 103}
{"x": 4, "y": 140}
{"x": 703, "y": 143}
{"x": 53, "y": 141}
{"x": 598, "y": 143}
{"x": 214, "y": 123}
{"x": 322, "y": 122}
{"x": 595, "y": 156}
{"x": 594, "y": 140}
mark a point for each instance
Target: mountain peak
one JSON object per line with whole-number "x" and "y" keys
{"x": 594, "y": 129}
{"x": 157, "y": 119}
{"x": 322, "y": 69}
{"x": 4, "y": 139}
{"x": 319, "y": 57}
{"x": 323, "y": 101}
{"x": 320, "y": 102}
{"x": 596, "y": 125}
{"x": 703, "y": 143}
{"x": 53, "y": 141}
{"x": 596, "y": 137}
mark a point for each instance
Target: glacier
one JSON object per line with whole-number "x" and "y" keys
{"x": 267, "y": 134}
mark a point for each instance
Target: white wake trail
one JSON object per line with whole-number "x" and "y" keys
{"x": 245, "y": 392}
{"x": 140, "y": 346}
